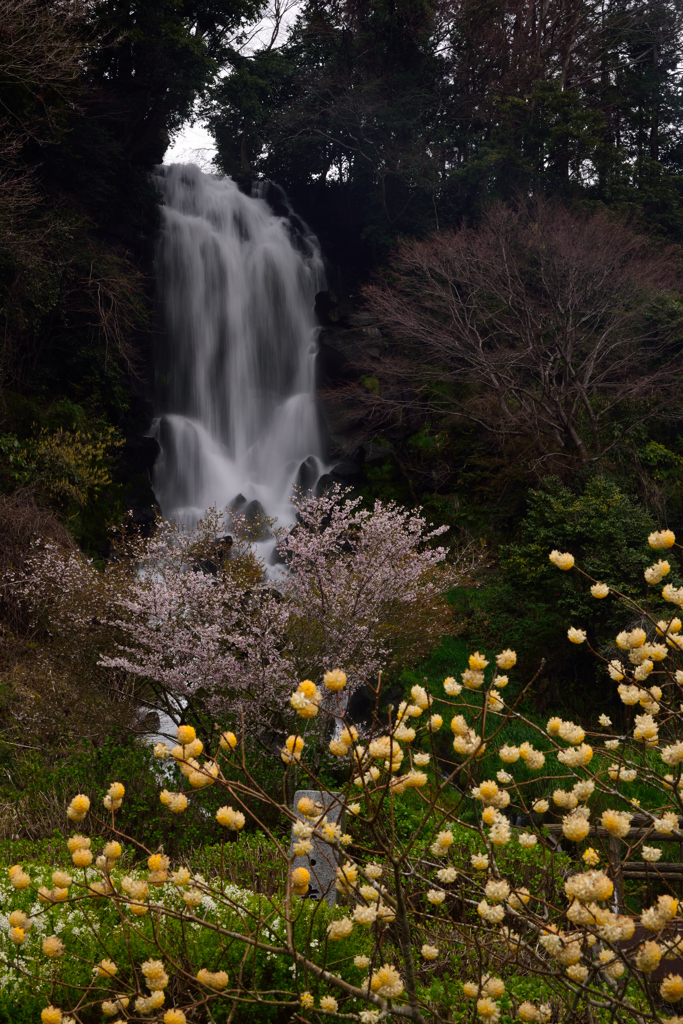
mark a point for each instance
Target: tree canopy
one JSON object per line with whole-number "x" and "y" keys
{"x": 409, "y": 115}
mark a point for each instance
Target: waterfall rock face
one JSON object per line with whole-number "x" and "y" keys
{"x": 236, "y": 377}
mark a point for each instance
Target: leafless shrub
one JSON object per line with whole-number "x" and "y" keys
{"x": 540, "y": 325}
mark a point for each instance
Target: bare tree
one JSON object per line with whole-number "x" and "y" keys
{"x": 541, "y": 324}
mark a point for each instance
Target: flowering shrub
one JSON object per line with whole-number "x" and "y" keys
{"x": 472, "y": 905}
{"x": 197, "y": 619}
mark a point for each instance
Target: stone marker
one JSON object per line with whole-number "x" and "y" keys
{"x": 323, "y": 859}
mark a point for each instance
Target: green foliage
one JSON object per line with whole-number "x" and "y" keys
{"x": 529, "y": 603}
{"x": 42, "y": 786}
{"x": 381, "y": 125}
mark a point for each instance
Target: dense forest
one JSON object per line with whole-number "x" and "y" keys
{"x": 498, "y": 192}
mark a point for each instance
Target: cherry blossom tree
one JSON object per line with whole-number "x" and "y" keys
{"x": 196, "y": 619}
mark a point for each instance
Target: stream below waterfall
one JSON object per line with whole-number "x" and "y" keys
{"x": 237, "y": 423}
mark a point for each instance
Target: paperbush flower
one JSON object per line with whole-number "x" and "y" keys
{"x": 577, "y": 636}
{"x": 519, "y": 898}
{"x": 473, "y": 680}
{"x": 671, "y": 988}
{"x": 575, "y": 827}
{"x": 386, "y": 982}
{"x": 335, "y": 680}
{"x": 53, "y": 947}
{"x": 174, "y": 1017}
{"x": 492, "y": 914}
{"x": 51, "y": 1015}
{"x": 488, "y": 1010}
{"x": 339, "y": 929}
{"x": 662, "y": 539}
{"x": 656, "y": 573}
{"x": 646, "y": 730}
{"x": 78, "y": 808}
{"x": 366, "y": 915}
{"x": 599, "y": 590}
{"x": 506, "y": 659}
{"x": 577, "y": 972}
{"x": 576, "y": 757}
{"x": 497, "y": 890}
{"x": 301, "y": 878}
{"x": 176, "y": 802}
{"x": 561, "y": 560}
{"x": 628, "y": 640}
{"x": 530, "y": 1014}
{"x": 148, "y": 1004}
{"x": 194, "y": 897}
{"x": 82, "y": 858}
{"x": 534, "y": 758}
{"x": 617, "y": 823}
{"x": 217, "y": 980}
{"x": 110, "y": 1007}
{"x": 667, "y": 823}
{"x": 229, "y": 818}
{"x": 648, "y": 956}
{"x": 155, "y": 974}
{"x": 654, "y": 918}
{"x": 591, "y": 885}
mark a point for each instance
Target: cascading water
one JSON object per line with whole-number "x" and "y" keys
{"x": 238, "y": 285}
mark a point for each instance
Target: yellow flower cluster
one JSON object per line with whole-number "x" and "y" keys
{"x": 386, "y": 982}
{"x": 335, "y": 680}
{"x": 78, "y": 808}
{"x": 306, "y": 699}
{"x": 291, "y": 752}
{"x": 216, "y": 980}
{"x": 229, "y": 818}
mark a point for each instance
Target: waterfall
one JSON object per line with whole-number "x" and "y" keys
{"x": 236, "y": 375}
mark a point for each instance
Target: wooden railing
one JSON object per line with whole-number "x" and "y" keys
{"x": 636, "y": 869}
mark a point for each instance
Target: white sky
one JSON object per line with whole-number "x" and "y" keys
{"x": 192, "y": 145}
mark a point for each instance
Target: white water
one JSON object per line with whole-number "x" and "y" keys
{"x": 238, "y": 285}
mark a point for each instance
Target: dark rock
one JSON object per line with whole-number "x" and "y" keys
{"x": 238, "y": 502}
{"x": 139, "y": 454}
{"x": 324, "y": 483}
{"x": 307, "y": 474}
{"x": 255, "y": 518}
{"x": 345, "y": 469}
{"x": 254, "y": 511}
{"x": 144, "y": 515}
{"x": 275, "y": 558}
